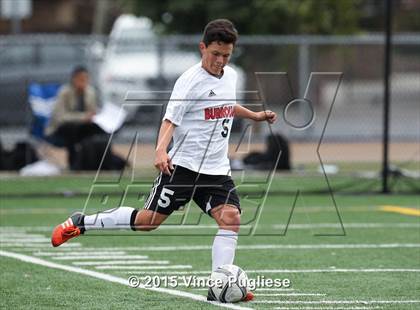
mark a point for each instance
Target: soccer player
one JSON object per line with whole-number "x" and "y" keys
{"x": 199, "y": 118}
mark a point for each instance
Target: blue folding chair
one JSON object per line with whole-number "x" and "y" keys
{"x": 42, "y": 98}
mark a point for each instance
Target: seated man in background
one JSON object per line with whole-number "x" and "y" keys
{"x": 71, "y": 119}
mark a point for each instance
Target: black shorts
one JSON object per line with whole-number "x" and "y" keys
{"x": 169, "y": 193}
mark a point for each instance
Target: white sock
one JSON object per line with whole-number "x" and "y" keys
{"x": 118, "y": 218}
{"x": 224, "y": 247}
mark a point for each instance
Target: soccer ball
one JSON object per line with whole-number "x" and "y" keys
{"x": 228, "y": 283}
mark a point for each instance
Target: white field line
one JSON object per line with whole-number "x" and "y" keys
{"x": 336, "y": 302}
{"x": 183, "y": 282}
{"x": 265, "y": 247}
{"x": 291, "y": 294}
{"x": 179, "y": 277}
{"x": 39, "y": 245}
{"x": 273, "y": 289}
{"x": 367, "y": 225}
{"x": 114, "y": 279}
{"x": 123, "y": 262}
{"x": 209, "y": 226}
{"x": 330, "y": 270}
{"x": 143, "y": 267}
{"x": 257, "y": 290}
{"x": 20, "y": 235}
{"x": 100, "y": 257}
{"x": 347, "y": 225}
{"x": 23, "y": 229}
{"x": 326, "y": 308}
{"x": 70, "y": 247}
{"x": 257, "y": 271}
{"x": 331, "y": 246}
{"x": 26, "y": 240}
{"x": 180, "y": 227}
{"x": 79, "y": 253}
{"x": 311, "y": 209}
{"x": 35, "y": 211}
{"x": 303, "y": 226}
{"x": 300, "y": 226}
{"x": 169, "y": 272}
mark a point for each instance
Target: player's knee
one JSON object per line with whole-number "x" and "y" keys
{"x": 234, "y": 217}
{"x": 228, "y": 217}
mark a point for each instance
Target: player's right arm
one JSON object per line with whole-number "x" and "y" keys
{"x": 265, "y": 115}
{"x": 177, "y": 106}
{"x": 162, "y": 159}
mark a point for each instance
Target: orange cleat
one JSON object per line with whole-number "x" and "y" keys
{"x": 249, "y": 296}
{"x": 64, "y": 232}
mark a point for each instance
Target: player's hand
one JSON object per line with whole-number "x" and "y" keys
{"x": 163, "y": 162}
{"x": 267, "y": 115}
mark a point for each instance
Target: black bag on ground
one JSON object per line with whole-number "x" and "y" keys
{"x": 89, "y": 153}
{"x": 21, "y": 155}
{"x": 275, "y": 144}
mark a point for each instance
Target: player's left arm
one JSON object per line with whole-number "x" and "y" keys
{"x": 266, "y": 115}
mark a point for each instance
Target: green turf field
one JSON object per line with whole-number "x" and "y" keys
{"x": 373, "y": 263}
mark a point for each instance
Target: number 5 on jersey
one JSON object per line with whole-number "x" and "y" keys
{"x": 225, "y": 127}
{"x": 165, "y": 198}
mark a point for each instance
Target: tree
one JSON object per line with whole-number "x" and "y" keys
{"x": 254, "y": 16}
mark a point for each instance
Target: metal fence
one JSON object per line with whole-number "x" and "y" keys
{"x": 352, "y": 66}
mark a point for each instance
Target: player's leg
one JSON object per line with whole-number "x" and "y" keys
{"x": 165, "y": 197}
{"x": 147, "y": 220}
{"x": 119, "y": 218}
{"x": 216, "y": 195}
{"x": 228, "y": 219}
{"x": 124, "y": 218}
{"x": 168, "y": 194}
{"x": 78, "y": 223}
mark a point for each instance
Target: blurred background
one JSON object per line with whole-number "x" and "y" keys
{"x": 143, "y": 46}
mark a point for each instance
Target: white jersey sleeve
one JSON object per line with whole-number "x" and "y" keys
{"x": 181, "y": 100}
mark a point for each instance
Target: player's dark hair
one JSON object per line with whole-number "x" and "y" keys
{"x": 220, "y": 30}
{"x": 78, "y": 69}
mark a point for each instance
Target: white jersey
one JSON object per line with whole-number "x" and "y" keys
{"x": 202, "y": 108}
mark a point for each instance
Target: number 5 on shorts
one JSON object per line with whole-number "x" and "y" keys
{"x": 164, "y": 199}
